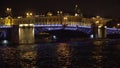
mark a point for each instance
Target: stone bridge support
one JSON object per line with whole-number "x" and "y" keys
{"x": 99, "y": 31}
{"x": 26, "y": 34}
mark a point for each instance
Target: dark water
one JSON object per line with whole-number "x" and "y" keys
{"x": 85, "y": 54}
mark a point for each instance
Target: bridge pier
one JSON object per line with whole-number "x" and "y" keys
{"x": 99, "y": 31}
{"x": 26, "y": 34}
{"x": 102, "y": 33}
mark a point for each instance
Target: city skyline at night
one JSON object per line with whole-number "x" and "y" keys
{"x": 59, "y": 33}
{"x": 104, "y": 8}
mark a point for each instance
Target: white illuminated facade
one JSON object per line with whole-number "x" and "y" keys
{"x": 49, "y": 20}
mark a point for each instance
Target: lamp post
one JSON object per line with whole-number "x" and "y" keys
{"x": 29, "y": 14}
{"x": 8, "y": 11}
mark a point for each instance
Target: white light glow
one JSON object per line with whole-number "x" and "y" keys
{"x": 99, "y": 26}
{"x": 54, "y": 37}
{"x": 91, "y": 36}
{"x": 31, "y": 24}
{"x": 25, "y": 24}
{"x": 21, "y": 25}
{"x": 4, "y": 42}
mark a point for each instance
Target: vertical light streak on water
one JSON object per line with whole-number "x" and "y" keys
{"x": 26, "y": 35}
{"x": 64, "y": 55}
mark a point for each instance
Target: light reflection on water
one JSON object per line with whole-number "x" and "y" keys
{"x": 97, "y": 55}
{"x": 8, "y": 57}
{"x": 94, "y": 54}
{"x": 27, "y": 55}
{"x": 64, "y": 55}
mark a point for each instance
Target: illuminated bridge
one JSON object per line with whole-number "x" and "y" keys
{"x": 42, "y": 23}
{"x": 85, "y": 29}
{"x": 25, "y": 28}
{"x": 26, "y": 33}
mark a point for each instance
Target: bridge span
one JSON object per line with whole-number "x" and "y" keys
{"x": 25, "y": 32}
{"x": 26, "y": 28}
{"x": 86, "y": 29}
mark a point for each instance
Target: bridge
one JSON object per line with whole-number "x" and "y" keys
{"x": 25, "y": 28}
{"x": 85, "y": 29}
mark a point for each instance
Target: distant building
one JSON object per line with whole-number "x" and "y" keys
{"x": 50, "y": 19}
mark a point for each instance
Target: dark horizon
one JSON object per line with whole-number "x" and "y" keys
{"x": 103, "y": 8}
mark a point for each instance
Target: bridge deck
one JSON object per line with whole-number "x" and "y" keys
{"x": 86, "y": 29}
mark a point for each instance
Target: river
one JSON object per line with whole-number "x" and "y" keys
{"x": 82, "y": 54}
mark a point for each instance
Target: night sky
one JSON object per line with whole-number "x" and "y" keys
{"x": 104, "y": 8}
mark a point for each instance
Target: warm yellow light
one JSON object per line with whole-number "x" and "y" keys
{"x": 97, "y": 22}
{"x": 76, "y": 6}
{"x": 31, "y": 24}
{"x": 50, "y": 14}
{"x": 27, "y": 14}
{"x": 19, "y": 17}
{"x": 65, "y": 18}
{"x": 25, "y": 24}
{"x": 8, "y": 21}
{"x": 31, "y": 14}
{"x": 21, "y": 25}
{"x": 97, "y": 16}
{"x": 58, "y": 12}
{"x": 1, "y": 18}
{"x": 76, "y": 14}
{"x": 61, "y": 12}
{"x": 99, "y": 26}
{"x": 8, "y": 9}
{"x": 93, "y": 18}
{"x": 118, "y": 24}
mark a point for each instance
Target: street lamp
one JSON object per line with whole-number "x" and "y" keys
{"x": 8, "y": 11}
{"x": 29, "y": 14}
